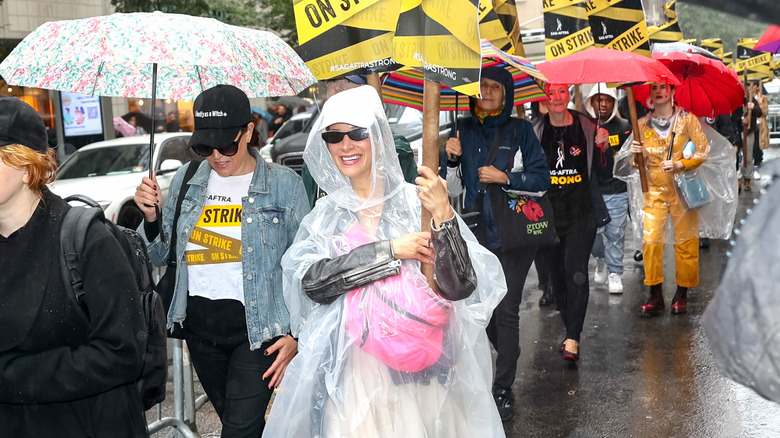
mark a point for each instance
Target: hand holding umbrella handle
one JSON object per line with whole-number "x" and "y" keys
{"x": 640, "y": 158}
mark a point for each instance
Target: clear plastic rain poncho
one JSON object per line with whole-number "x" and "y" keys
{"x": 335, "y": 388}
{"x": 716, "y": 218}
{"x": 743, "y": 319}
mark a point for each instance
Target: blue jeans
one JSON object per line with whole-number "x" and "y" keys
{"x": 614, "y": 233}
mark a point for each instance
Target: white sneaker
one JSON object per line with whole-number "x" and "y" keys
{"x": 600, "y": 276}
{"x": 615, "y": 284}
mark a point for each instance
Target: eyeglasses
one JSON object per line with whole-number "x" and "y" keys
{"x": 228, "y": 151}
{"x": 333, "y": 137}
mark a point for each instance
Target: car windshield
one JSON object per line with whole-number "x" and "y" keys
{"x": 113, "y": 160}
{"x": 404, "y": 120}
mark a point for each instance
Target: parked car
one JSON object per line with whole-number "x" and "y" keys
{"x": 403, "y": 121}
{"x": 290, "y": 127}
{"x": 109, "y": 171}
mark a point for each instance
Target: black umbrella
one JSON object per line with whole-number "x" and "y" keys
{"x": 141, "y": 120}
{"x": 292, "y": 101}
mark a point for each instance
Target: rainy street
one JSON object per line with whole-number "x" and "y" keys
{"x": 637, "y": 376}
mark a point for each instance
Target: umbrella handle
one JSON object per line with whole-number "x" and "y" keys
{"x": 640, "y": 158}
{"x": 151, "y": 145}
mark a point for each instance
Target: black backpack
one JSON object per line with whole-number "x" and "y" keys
{"x": 151, "y": 382}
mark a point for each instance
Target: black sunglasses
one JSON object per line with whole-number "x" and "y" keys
{"x": 333, "y": 137}
{"x": 228, "y": 151}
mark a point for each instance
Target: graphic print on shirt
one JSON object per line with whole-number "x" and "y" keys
{"x": 214, "y": 249}
{"x": 218, "y": 248}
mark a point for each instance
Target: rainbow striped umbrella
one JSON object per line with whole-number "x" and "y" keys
{"x": 405, "y": 87}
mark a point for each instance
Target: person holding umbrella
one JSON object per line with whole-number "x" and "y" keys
{"x": 569, "y": 140}
{"x": 664, "y": 132}
{"x": 237, "y": 218}
{"x": 469, "y": 167}
{"x": 608, "y": 246}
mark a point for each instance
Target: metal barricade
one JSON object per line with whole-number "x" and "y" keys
{"x": 185, "y": 405}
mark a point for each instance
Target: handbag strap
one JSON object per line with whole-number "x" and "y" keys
{"x": 191, "y": 169}
{"x": 674, "y": 132}
{"x": 494, "y": 151}
{"x": 510, "y": 161}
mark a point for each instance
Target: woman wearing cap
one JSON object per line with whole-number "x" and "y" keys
{"x": 569, "y": 141}
{"x": 236, "y": 220}
{"x": 663, "y": 125}
{"x": 59, "y": 375}
{"x": 382, "y": 354}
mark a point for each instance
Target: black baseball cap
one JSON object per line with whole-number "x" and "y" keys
{"x": 21, "y": 124}
{"x": 220, "y": 112}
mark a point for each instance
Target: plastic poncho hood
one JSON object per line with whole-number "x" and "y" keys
{"x": 386, "y": 175}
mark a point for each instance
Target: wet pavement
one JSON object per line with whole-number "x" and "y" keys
{"x": 637, "y": 376}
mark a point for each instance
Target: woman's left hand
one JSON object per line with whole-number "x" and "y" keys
{"x": 432, "y": 192}
{"x": 287, "y": 348}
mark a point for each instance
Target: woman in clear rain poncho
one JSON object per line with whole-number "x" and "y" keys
{"x": 381, "y": 354}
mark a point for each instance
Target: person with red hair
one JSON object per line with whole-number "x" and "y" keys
{"x": 60, "y": 375}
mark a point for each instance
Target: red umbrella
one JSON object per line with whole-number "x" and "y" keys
{"x": 605, "y": 65}
{"x": 708, "y": 88}
{"x": 769, "y": 41}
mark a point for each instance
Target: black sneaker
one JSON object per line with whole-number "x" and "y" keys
{"x": 504, "y": 402}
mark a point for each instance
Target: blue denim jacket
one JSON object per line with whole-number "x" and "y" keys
{"x": 271, "y": 213}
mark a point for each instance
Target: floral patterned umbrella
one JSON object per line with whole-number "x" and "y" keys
{"x": 115, "y": 55}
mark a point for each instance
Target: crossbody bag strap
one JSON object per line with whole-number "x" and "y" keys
{"x": 510, "y": 162}
{"x": 192, "y": 167}
{"x": 494, "y": 151}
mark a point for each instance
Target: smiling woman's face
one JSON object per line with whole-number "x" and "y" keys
{"x": 353, "y": 158}
{"x": 559, "y": 99}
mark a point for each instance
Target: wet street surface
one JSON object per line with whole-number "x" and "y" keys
{"x": 637, "y": 376}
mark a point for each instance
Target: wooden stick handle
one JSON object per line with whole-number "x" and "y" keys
{"x": 640, "y": 158}
{"x": 430, "y": 146}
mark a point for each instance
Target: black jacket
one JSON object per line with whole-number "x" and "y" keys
{"x": 59, "y": 377}
{"x": 620, "y": 128}
{"x": 596, "y": 168}
{"x": 327, "y": 279}
{"x": 519, "y": 141}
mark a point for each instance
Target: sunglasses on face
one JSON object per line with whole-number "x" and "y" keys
{"x": 228, "y": 151}
{"x": 333, "y": 137}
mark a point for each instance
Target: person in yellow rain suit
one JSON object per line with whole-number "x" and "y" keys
{"x": 657, "y": 129}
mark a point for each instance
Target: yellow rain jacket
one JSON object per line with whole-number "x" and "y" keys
{"x": 662, "y": 200}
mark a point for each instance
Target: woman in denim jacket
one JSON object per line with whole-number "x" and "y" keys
{"x": 237, "y": 218}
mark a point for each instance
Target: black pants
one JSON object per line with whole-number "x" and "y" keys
{"x": 504, "y": 328}
{"x": 230, "y": 373}
{"x": 567, "y": 263}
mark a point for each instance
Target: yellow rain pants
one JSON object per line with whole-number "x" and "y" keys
{"x": 662, "y": 200}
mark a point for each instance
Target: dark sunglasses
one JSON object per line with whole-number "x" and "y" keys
{"x": 228, "y": 151}
{"x": 333, "y": 137}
